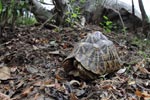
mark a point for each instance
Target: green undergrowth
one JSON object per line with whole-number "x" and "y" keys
{"x": 26, "y": 21}
{"x": 141, "y": 43}
{"x": 143, "y": 46}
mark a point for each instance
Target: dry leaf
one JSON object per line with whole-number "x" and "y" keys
{"x": 80, "y": 92}
{"x": 107, "y": 87}
{"x": 142, "y": 94}
{"x": 58, "y": 77}
{"x": 73, "y": 96}
{"x": 35, "y": 47}
{"x": 38, "y": 83}
{"x": 27, "y": 91}
{"x": 83, "y": 85}
{"x": 36, "y": 96}
{"x": 4, "y": 73}
{"x": 121, "y": 71}
{"x": 141, "y": 66}
{"x": 54, "y": 52}
{"x": 20, "y": 84}
{"x": 64, "y": 45}
{"x": 4, "y": 97}
{"x": 44, "y": 40}
{"x": 13, "y": 69}
{"x": 131, "y": 82}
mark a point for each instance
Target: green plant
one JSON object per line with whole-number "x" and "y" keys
{"x": 1, "y": 8}
{"x": 143, "y": 54}
{"x": 124, "y": 30}
{"x": 26, "y": 20}
{"x": 74, "y": 14}
{"x": 11, "y": 11}
{"x": 107, "y": 25}
{"x": 142, "y": 45}
{"x": 82, "y": 1}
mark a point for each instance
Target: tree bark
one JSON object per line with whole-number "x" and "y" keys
{"x": 133, "y": 14}
{"x": 145, "y": 23}
{"x": 60, "y": 8}
{"x": 41, "y": 14}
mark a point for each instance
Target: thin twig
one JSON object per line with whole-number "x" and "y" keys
{"x": 121, "y": 18}
{"x": 47, "y": 21}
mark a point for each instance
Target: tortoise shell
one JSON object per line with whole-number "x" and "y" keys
{"x": 95, "y": 55}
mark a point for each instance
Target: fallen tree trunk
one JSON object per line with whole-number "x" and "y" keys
{"x": 92, "y": 10}
{"x": 41, "y": 13}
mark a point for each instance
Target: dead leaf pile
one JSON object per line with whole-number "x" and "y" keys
{"x": 30, "y": 68}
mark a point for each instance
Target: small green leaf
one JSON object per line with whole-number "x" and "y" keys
{"x": 108, "y": 23}
{"x": 74, "y": 15}
{"x": 82, "y": 1}
{"x": 105, "y": 17}
{"x": 72, "y": 1}
{"x": 1, "y": 7}
{"x": 67, "y": 13}
{"x": 22, "y": 3}
{"x": 77, "y": 8}
{"x": 68, "y": 20}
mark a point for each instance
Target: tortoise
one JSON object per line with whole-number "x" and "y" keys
{"x": 94, "y": 56}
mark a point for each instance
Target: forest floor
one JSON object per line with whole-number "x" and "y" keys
{"x": 30, "y": 66}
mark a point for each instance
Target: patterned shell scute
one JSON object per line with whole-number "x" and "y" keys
{"x": 96, "y": 54}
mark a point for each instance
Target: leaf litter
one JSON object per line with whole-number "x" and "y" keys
{"x": 31, "y": 68}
